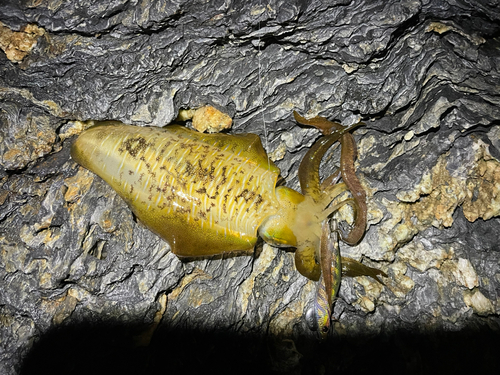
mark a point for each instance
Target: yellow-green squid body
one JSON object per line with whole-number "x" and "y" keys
{"x": 208, "y": 194}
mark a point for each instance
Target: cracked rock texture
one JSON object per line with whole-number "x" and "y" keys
{"x": 85, "y": 288}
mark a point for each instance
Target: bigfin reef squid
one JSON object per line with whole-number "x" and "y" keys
{"x": 208, "y": 194}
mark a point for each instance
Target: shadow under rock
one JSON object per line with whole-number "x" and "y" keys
{"x": 103, "y": 348}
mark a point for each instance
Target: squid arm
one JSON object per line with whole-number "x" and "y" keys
{"x": 309, "y": 167}
{"x": 347, "y": 158}
{"x": 320, "y": 123}
{"x": 333, "y": 267}
{"x": 309, "y": 170}
{"x": 353, "y": 268}
{"x": 330, "y": 181}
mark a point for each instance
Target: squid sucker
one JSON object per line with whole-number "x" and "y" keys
{"x": 208, "y": 194}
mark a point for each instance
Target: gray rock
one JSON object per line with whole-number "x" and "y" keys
{"x": 87, "y": 288}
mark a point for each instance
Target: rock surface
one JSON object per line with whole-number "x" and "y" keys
{"x": 85, "y": 288}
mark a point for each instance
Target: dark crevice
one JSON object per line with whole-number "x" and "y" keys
{"x": 403, "y": 29}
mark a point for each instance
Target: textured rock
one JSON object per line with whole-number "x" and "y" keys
{"x": 17, "y": 45}
{"x": 81, "y": 279}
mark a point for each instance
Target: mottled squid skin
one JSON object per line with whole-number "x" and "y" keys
{"x": 208, "y": 194}
{"x": 204, "y": 194}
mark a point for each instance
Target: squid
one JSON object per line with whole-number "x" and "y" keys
{"x": 209, "y": 194}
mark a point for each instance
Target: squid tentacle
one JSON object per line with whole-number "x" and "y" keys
{"x": 332, "y": 193}
{"x": 353, "y": 268}
{"x": 320, "y": 123}
{"x": 332, "y": 266}
{"x": 347, "y": 158}
{"x": 334, "y": 208}
{"x": 309, "y": 171}
{"x": 309, "y": 167}
{"x": 330, "y": 181}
